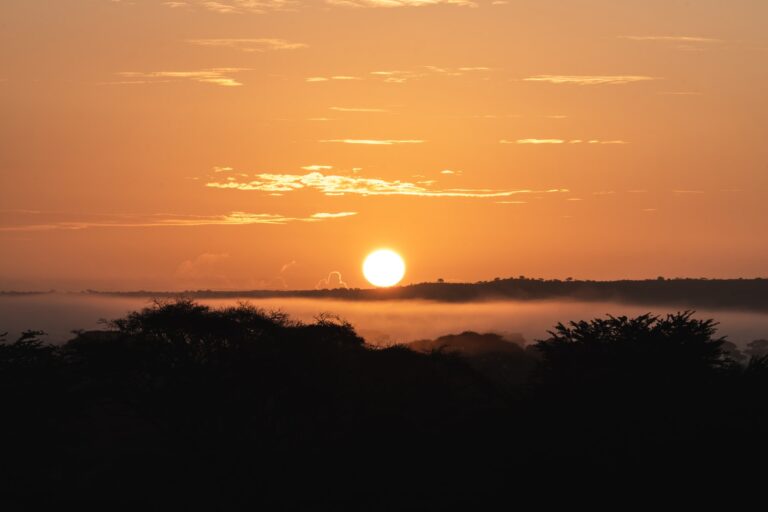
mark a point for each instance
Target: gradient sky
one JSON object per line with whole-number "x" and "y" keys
{"x": 268, "y": 143}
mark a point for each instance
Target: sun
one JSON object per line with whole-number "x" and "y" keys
{"x": 383, "y": 268}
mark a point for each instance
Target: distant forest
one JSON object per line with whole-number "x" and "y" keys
{"x": 741, "y": 294}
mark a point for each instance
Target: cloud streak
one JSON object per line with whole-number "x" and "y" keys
{"x": 330, "y": 78}
{"x": 73, "y": 223}
{"x": 241, "y": 6}
{"x": 335, "y": 185}
{"x": 561, "y": 141}
{"x": 375, "y": 142}
{"x": 589, "y": 79}
{"x": 354, "y": 109}
{"x": 216, "y": 76}
{"x": 263, "y": 6}
{"x": 249, "y": 45}
{"x": 532, "y": 141}
{"x": 337, "y": 215}
{"x": 399, "y": 3}
{"x": 397, "y": 76}
{"x": 673, "y": 39}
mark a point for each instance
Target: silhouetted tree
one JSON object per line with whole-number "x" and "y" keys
{"x": 732, "y": 351}
{"x": 757, "y": 348}
{"x": 642, "y": 388}
{"x": 674, "y": 343}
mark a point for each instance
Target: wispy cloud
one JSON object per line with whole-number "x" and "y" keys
{"x": 401, "y": 76}
{"x": 589, "y": 79}
{"x": 330, "y": 78}
{"x": 204, "y": 265}
{"x": 684, "y": 43}
{"x": 241, "y": 6}
{"x": 357, "y": 109}
{"x": 287, "y": 266}
{"x": 395, "y": 76}
{"x": 333, "y": 280}
{"x": 262, "y": 6}
{"x": 323, "y": 215}
{"x": 42, "y": 221}
{"x": 674, "y": 39}
{"x": 532, "y": 141}
{"x": 493, "y": 116}
{"x": 216, "y": 76}
{"x": 398, "y": 76}
{"x": 399, "y": 3}
{"x": 335, "y": 185}
{"x": 680, "y": 93}
{"x": 561, "y": 141}
{"x": 375, "y": 142}
{"x": 249, "y": 45}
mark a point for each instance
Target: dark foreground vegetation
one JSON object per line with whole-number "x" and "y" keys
{"x": 183, "y": 402}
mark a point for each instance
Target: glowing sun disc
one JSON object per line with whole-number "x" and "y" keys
{"x": 383, "y": 268}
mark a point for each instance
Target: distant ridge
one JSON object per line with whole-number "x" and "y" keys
{"x": 740, "y": 294}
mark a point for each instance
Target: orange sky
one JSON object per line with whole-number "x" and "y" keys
{"x": 267, "y": 143}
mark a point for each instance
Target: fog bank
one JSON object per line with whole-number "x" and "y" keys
{"x": 380, "y": 323}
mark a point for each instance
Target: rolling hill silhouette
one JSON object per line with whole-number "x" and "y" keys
{"x": 740, "y": 294}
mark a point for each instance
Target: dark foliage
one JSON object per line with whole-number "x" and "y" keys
{"x": 642, "y": 353}
{"x": 186, "y": 403}
{"x": 503, "y": 361}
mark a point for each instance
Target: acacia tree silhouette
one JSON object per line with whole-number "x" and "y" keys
{"x": 643, "y": 389}
{"x": 630, "y": 349}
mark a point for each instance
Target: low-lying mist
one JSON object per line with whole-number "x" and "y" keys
{"x": 380, "y": 323}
